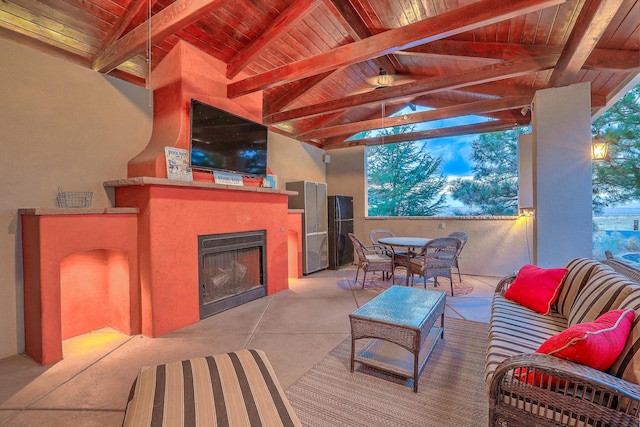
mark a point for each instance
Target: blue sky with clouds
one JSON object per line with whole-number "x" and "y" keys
{"x": 455, "y": 151}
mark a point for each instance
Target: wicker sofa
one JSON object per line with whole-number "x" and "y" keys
{"x": 571, "y": 394}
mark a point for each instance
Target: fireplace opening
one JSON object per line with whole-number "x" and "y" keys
{"x": 231, "y": 270}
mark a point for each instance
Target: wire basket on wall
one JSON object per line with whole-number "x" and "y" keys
{"x": 74, "y": 199}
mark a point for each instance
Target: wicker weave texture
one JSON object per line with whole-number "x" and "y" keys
{"x": 533, "y": 389}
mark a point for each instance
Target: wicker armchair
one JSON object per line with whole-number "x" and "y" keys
{"x": 463, "y": 241}
{"x": 437, "y": 259}
{"x": 371, "y": 258}
{"x": 399, "y": 257}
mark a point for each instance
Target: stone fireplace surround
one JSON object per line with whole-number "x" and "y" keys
{"x": 149, "y": 241}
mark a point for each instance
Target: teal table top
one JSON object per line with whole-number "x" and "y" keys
{"x": 402, "y": 306}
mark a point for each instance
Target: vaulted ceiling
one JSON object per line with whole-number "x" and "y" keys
{"x": 319, "y": 62}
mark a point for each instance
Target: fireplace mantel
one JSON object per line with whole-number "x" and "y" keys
{"x": 147, "y": 180}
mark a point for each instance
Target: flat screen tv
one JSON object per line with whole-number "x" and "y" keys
{"x": 225, "y": 142}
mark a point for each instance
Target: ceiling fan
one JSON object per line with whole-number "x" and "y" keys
{"x": 382, "y": 80}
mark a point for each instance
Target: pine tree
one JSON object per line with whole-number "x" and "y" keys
{"x": 618, "y": 180}
{"x": 494, "y": 187}
{"x": 404, "y": 179}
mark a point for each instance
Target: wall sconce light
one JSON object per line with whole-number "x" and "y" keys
{"x": 599, "y": 149}
{"x": 527, "y": 212}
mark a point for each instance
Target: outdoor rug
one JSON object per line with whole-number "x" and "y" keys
{"x": 451, "y": 390}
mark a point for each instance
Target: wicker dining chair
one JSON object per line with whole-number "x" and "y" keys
{"x": 370, "y": 258}
{"x": 463, "y": 241}
{"x": 399, "y": 257}
{"x": 437, "y": 260}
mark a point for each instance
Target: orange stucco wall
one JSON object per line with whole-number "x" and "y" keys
{"x": 185, "y": 73}
{"x": 170, "y": 220}
{"x": 294, "y": 220}
{"x": 59, "y": 253}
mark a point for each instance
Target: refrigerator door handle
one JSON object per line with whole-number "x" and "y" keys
{"x": 339, "y": 217}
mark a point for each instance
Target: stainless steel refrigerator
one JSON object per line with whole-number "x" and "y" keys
{"x": 340, "y": 225}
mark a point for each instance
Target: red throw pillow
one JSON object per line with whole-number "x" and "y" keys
{"x": 536, "y": 288}
{"x": 595, "y": 344}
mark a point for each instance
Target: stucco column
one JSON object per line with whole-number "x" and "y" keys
{"x": 562, "y": 175}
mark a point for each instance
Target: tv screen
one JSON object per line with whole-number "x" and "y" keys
{"x": 223, "y": 141}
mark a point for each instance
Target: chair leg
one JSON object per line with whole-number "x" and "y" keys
{"x": 364, "y": 278}
{"x": 451, "y": 285}
{"x": 357, "y": 272}
{"x": 459, "y": 275}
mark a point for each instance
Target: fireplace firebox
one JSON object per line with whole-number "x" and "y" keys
{"x": 231, "y": 270}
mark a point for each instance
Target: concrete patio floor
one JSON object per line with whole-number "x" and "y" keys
{"x": 296, "y": 328}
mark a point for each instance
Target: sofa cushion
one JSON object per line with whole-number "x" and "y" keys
{"x": 605, "y": 291}
{"x": 627, "y": 366}
{"x": 515, "y": 329}
{"x": 536, "y": 288}
{"x": 580, "y": 271}
{"x": 595, "y": 344}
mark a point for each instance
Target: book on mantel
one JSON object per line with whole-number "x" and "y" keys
{"x": 178, "y": 164}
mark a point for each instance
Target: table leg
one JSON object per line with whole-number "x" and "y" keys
{"x": 353, "y": 351}
{"x": 410, "y": 254}
{"x": 415, "y": 370}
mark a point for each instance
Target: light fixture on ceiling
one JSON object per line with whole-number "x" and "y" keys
{"x": 599, "y": 149}
{"x": 384, "y": 79}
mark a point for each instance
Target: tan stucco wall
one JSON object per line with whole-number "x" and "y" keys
{"x": 291, "y": 160}
{"x": 61, "y": 126}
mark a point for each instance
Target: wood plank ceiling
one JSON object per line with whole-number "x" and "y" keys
{"x": 318, "y": 61}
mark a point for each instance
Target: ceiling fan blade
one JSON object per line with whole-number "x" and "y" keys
{"x": 362, "y": 89}
{"x": 394, "y": 79}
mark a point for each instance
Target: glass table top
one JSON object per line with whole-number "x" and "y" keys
{"x": 402, "y": 305}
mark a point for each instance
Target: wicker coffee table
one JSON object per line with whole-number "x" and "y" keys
{"x": 400, "y": 324}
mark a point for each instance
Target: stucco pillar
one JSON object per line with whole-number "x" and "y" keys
{"x": 562, "y": 175}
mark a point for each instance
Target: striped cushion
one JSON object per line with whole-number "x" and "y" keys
{"x": 627, "y": 366}
{"x": 580, "y": 271}
{"x": 233, "y": 389}
{"x": 515, "y": 329}
{"x": 604, "y": 292}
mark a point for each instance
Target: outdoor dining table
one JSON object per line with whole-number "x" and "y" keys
{"x": 410, "y": 243}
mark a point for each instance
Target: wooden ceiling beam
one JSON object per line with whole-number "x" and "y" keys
{"x": 300, "y": 89}
{"x": 487, "y": 73}
{"x": 135, "y": 9}
{"x": 499, "y": 89}
{"x": 480, "y": 50}
{"x": 613, "y": 60}
{"x": 285, "y": 21}
{"x": 163, "y": 24}
{"x": 591, "y": 24}
{"x": 435, "y": 102}
{"x": 377, "y": 113}
{"x": 456, "y": 21}
{"x": 600, "y": 59}
{"x": 477, "y": 107}
{"x": 477, "y": 128}
{"x": 141, "y": 17}
{"x": 346, "y": 14}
